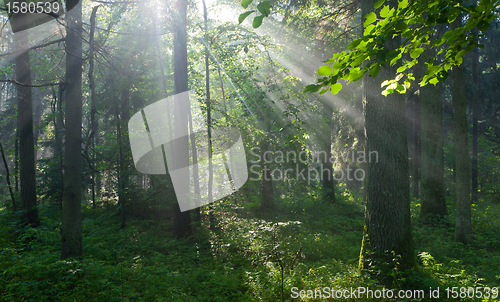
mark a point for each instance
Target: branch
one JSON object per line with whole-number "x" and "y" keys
{"x": 34, "y": 47}
{"x": 29, "y": 85}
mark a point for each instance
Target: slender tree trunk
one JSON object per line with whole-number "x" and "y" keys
{"x": 25, "y": 124}
{"x": 327, "y": 168}
{"x": 417, "y": 147}
{"x": 267, "y": 203}
{"x": 93, "y": 110}
{"x": 388, "y": 223}
{"x": 182, "y": 220}
{"x": 475, "y": 125}
{"x": 432, "y": 161}
{"x": 209, "y": 125}
{"x": 58, "y": 155}
{"x": 7, "y": 177}
{"x": 71, "y": 233}
{"x": 16, "y": 161}
{"x": 463, "y": 225}
{"x": 121, "y": 197}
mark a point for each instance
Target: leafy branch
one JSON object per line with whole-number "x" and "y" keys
{"x": 369, "y": 54}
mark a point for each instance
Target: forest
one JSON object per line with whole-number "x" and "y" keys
{"x": 219, "y": 150}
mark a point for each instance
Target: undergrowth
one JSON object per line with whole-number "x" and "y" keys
{"x": 308, "y": 245}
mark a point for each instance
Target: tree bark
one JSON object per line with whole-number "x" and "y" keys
{"x": 7, "y": 177}
{"x": 432, "y": 161}
{"x": 327, "y": 168}
{"x": 475, "y": 125}
{"x": 71, "y": 233}
{"x": 463, "y": 225}
{"x": 182, "y": 220}
{"x": 93, "y": 110}
{"x": 417, "y": 146}
{"x": 25, "y": 124}
{"x": 387, "y": 240}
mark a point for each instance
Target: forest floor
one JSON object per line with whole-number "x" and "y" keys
{"x": 307, "y": 246}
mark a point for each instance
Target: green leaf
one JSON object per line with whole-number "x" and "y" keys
{"x": 438, "y": 42}
{"x": 401, "y": 25}
{"x": 374, "y": 70}
{"x": 384, "y": 12}
{"x": 312, "y": 88}
{"x": 368, "y": 29}
{"x": 369, "y": 19}
{"x": 402, "y": 68}
{"x": 453, "y": 14}
{"x": 415, "y": 53}
{"x": 264, "y": 8}
{"x": 257, "y": 21}
{"x": 243, "y": 16}
{"x": 337, "y": 65}
{"x": 483, "y": 25}
{"x": 460, "y": 54}
{"x": 403, "y": 4}
{"x": 354, "y": 43}
{"x": 336, "y": 88}
{"x": 356, "y": 74}
{"x": 246, "y": 3}
{"x": 378, "y": 4}
{"x": 325, "y": 71}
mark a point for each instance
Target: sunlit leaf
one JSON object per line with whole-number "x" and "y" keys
{"x": 325, "y": 71}
{"x": 246, "y": 3}
{"x": 257, "y": 21}
{"x": 378, "y": 4}
{"x": 369, "y": 19}
{"x": 415, "y": 53}
{"x": 384, "y": 11}
{"x": 264, "y": 8}
{"x": 336, "y": 88}
{"x": 243, "y": 16}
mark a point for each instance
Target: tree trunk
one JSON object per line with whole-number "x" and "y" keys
{"x": 387, "y": 241}
{"x": 475, "y": 125}
{"x": 25, "y": 124}
{"x": 327, "y": 168}
{"x": 71, "y": 233}
{"x": 267, "y": 203}
{"x": 7, "y": 177}
{"x": 463, "y": 225}
{"x": 182, "y": 220}
{"x": 93, "y": 110}
{"x": 432, "y": 161}
{"x": 417, "y": 147}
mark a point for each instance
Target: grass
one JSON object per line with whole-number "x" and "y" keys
{"x": 305, "y": 245}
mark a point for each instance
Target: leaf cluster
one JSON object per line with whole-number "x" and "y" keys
{"x": 415, "y": 22}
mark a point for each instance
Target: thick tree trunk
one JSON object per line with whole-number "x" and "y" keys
{"x": 25, "y": 125}
{"x": 71, "y": 233}
{"x": 463, "y": 225}
{"x": 387, "y": 240}
{"x": 432, "y": 161}
{"x": 182, "y": 220}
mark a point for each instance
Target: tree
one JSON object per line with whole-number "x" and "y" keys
{"x": 19, "y": 23}
{"x": 432, "y": 162}
{"x": 387, "y": 237}
{"x": 463, "y": 225}
{"x": 71, "y": 233}
{"x": 182, "y": 220}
